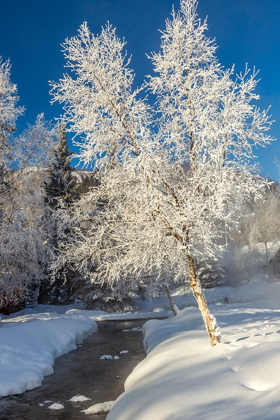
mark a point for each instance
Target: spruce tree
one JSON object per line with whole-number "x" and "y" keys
{"x": 60, "y": 193}
{"x": 61, "y": 185}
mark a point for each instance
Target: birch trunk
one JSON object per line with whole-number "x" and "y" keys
{"x": 208, "y": 318}
{"x": 170, "y": 300}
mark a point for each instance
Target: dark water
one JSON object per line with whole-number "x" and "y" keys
{"x": 81, "y": 372}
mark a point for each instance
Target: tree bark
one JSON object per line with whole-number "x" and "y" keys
{"x": 170, "y": 300}
{"x": 208, "y": 319}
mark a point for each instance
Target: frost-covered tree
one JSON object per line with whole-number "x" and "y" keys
{"x": 9, "y": 112}
{"x": 24, "y": 249}
{"x": 173, "y": 191}
{"x": 105, "y": 123}
{"x": 35, "y": 146}
{"x": 251, "y": 241}
{"x": 265, "y": 222}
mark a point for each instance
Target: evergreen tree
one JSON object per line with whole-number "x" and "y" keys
{"x": 61, "y": 185}
{"x": 60, "y": 192}
{"x": 211, "y": 274}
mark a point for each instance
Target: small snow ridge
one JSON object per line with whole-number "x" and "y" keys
{"x": 79, "y": 398}
{"x": 135, "y": 329}
{"x": 124, "y": 352}
{"x": 100, "y": 408}
{"x": 56, "y": 406}
{"x": 257, "y": 386}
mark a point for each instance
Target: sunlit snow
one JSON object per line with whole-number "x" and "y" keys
{"x": 100, "y": 408}
{"x": 184, "y": 377}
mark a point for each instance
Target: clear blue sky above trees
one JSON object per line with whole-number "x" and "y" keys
{"x": 31, "y": 32}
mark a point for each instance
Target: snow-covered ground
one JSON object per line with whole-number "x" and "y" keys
{"x": 29, "y": 343}
{"x": 183, "y": 297}
{"x": 184, "y": 377}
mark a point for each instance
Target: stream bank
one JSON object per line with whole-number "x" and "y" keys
{"x": 82, "y": 372}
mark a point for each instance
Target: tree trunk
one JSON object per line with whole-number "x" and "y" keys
{"x": 266, "y": 257}
{"x": 170, "y": 300}
{"x": 208, "y": 318}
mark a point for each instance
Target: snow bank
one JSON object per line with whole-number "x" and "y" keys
{"x": 248, "y": 293}
{"x": 183, "y": 377}
{"x": 30, "y": 343}
{"x": 112, "y": 317}
{"x": 33, "y": 338}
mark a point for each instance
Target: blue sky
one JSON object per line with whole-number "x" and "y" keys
{"x": 31, "y": 33}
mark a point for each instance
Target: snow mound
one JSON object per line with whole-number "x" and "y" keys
{"x": 124, "y": 352}
{"x": 79, "y": 398}
{"x": 56, "y": 406}
{"x": 183, "y": 377}
{"x": 100, "y": 408}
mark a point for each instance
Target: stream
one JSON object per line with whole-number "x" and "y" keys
{"x": 82, "y": 372}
